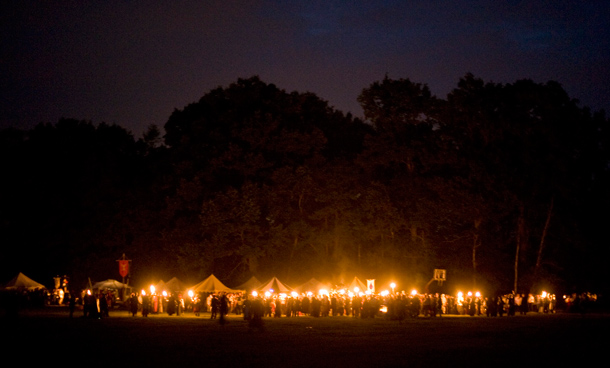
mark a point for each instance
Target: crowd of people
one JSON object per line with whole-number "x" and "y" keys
{"x": 392, "y": 305}
{"x": 397, "y": 305}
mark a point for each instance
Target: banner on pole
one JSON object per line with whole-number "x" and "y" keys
{"x": 123, "y": 268}
{"x": 370, "y": 285}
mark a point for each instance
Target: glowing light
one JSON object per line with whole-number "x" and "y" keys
{"x": 385, "y": 293}
{"x": 413, "y": 292}
{"x": 191, "y": 293}
{"x": 88, "y": 292}
{"x": 254, "y": 294}
{"x": 544, "y": 294}
{"x": 309, "y": 294}
{"x": 267, "y": 294}
{"x": 164, "y": 293}
{"x": 271, "y": 290}
{"x": 383, "y": 309}
{"x": 143, "y": 292}
{"x": 323, "y": 292}
{"x": 295, "y": 294}
{"x": 393, "y": 285}
{"x": 460, "y": 298}
{"x": 470, "y": 293}
{"x": 477, "y": 294}
{"x": 356, "y": 289}
{"x": 152, "y": 289}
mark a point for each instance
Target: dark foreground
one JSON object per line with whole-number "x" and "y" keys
{"x": 50, "y": 337}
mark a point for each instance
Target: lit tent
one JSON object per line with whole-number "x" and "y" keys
{"x": 21, "y": 282}
{"x": 212, "y": 285}
{"x": 174, "y": 285}
{"x": 109, "y": 284}
{"x": 276, "y": 285}
{"x": 160, "y": 286}
{"x": 312, "y": 285}
{"x": 357, "y": 283}
{"x": 250, "y": 285}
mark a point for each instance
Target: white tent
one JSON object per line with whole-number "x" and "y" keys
{"x": 21, "y": 281}
{"x": 312, "y": 285}
{"x": 357, "y": 283}
{"x": 250, "y": 285}
{"x": 109, "y": 284}
{"x": 174, "y": 284}
{"x": 160, "y": 286}
{"x": 276, "y": 285}
{"x": 212, "y": 285}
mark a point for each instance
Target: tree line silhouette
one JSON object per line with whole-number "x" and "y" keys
{"x": 504, "y": 185}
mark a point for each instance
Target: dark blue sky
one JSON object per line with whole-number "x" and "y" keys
{"x": 133, "y": 62}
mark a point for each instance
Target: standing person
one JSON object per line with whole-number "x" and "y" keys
{"x": 214, "y": 306}
{"x": 492, "y": 308}
{"x": 133, "y": 304}
{"x": 277, "y": 311}
{"x": 356, "y": 306}
{"x": 171, "y": 305}
{"x": 197, "y": 305}
{"x": 103, "y": 305}
{"x": 72, "y": 303}
{"x": 257, "y": 310}
{"x": 500, "y": 306}
{"x": 524, "y": 305}
{"x": 146, "y": 305}
{"x": 518, "y": 301}
{"x": 85, "y": 301}
{"x": 247, "y": 308}
{"x": 223, "y": 306}
{"x": 305, "y": 305}
{"x": 511, "y": 304}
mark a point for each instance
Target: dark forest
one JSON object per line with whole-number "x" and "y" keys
{"x": 502, "y": 185}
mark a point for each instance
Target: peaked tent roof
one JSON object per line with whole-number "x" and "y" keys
{"x": 212, "y": 285}
{"x": 357, "y": 283}
{"x": 21, "y": 281}
{"x": 251, "y": 284}
{"x": 160, "y": 285}
{"x": 174, "y": 284}
{"x": 312, "y": 285}
{"x": 275, "y": 285}
{"x": 109, "y": 284}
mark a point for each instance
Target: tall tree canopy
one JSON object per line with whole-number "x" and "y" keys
{"x": 501, "y": 184}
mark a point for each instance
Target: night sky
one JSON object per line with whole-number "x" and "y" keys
{"x": 132, "y": 63}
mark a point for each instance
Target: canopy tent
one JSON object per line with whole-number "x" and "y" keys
{"x": 160, "y": 286}
{"x": 312, "y": 285}
{"x": 174, "y": 284}
{"x": 356, "y": 283}
{"x": 109, "y": 284}
{"x": 212, "y": 285}
{"x": 250, "y": 285}
{"x": 21, "y": 281}
{"x": 276, "y": 285}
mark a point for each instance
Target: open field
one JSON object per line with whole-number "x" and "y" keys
{"x": 50, "y": 336}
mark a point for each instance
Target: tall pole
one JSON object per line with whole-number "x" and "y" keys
{"x": 520, "y": 236}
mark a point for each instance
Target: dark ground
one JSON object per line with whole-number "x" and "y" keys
{"x": 49, "y": 336}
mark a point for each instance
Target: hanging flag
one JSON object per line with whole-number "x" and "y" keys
{"x": 370, "y": 285}
{"x": 123, "y": 267}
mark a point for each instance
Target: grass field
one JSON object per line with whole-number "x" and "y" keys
{"x": 49, "y": 336}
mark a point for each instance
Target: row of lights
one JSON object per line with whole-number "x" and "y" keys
{"x": 356, "y": 291}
